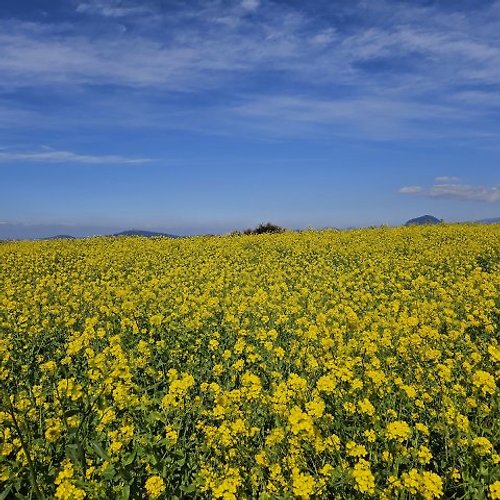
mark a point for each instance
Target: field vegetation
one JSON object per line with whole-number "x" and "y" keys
{"x": 334, "y": 364}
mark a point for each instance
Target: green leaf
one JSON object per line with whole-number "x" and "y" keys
{"x": 156, "y": 416}
{"x": 99, "y": 450}
{"x": 73, "y": 452}
{"x": 129, "y": 458}
{"x": 110, "y": 473}
{"x": 189, "y": 489}
{"x": 125, "y": 493}
{"x": 72, "y": 412}
{"x": 5, "y": 493}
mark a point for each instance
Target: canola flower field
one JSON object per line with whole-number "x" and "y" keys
{"x": 327, "y": 364}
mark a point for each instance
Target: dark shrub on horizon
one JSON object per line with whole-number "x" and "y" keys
{"x": 265, "y": 228}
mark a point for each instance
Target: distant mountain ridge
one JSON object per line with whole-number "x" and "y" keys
{"x": 430, "y": 219}
{"x": 144, "y": 234}
{"x": 494, "y": 220}
{"x": 61, "y": 237}
{"x": 423, "y": 220}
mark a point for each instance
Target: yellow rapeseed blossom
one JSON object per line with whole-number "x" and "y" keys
{"x": 398, "y": 431}
{"x": 300, "y": 421}
{"x": 494, "y": 490}
{"x": 154, "y": 486}
{"x": 427, "y": 484}
{"x": 68, "y": 491}
{"x": 482, "y": 446}
{"x": 365, "y": 482}
{"x": 303, "y": 484}
{"x": 484, "y": 381}
{"x": 366, "y": 407}
{"x": 312, "y": 364}
{"x": 355, "y": 450}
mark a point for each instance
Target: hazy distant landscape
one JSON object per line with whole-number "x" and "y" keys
{"x": 22, "y": 231}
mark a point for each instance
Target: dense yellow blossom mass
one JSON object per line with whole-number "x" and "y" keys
{"x": 320, "y": 364}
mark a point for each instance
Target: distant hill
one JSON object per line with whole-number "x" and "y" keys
{"x": 423, "y": 220}
{"x": 494, "y": 220}
{"x": 61, "y": 237}
{"x": 144, "y": 234}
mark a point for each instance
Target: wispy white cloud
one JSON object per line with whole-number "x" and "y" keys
{"x": 411, "y": 190}
{"x": 277, "y": 38}
{"x": 250, "y": 4}
{"x": 14, "y": 116}
{"x": 324, "y": 37}
{"x": 374, "y": 116}
{"x": 48, "y": 155}
{"x": 480, "y": 97}
{"x": 398, "y": 73}
{"x": 489, "y": 194}
{"x": 444, "y": 179}
{"x": 112, "y": 8}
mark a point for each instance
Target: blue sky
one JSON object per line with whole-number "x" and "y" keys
{"x": 212, "y": 115}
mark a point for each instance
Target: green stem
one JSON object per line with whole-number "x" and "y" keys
{"x": 25, "y": 448}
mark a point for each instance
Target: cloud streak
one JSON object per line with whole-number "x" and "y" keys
{"x": 215, "y": 42}
{"x": 397, "y": 73}
{"x": 444, "y": 179}
{"x": 375, "y": 116}
{"x": 112, "y": 8}
{"x": 48, "y": 155}
{"x": 455, "y": 190}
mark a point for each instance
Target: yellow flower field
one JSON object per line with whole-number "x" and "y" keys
{"x": 331, "y": 364}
